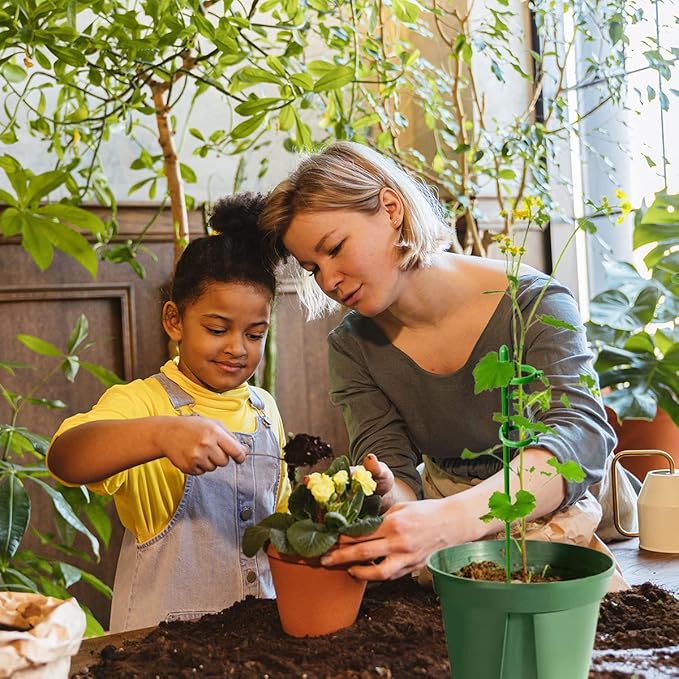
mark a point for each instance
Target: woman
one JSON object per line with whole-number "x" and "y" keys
{"x": 372, "y": 239}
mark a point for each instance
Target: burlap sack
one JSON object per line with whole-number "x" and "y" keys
{"x": 49, "y": 634}
{"x": 574, "y": 525}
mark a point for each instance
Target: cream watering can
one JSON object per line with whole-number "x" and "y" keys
{"x": 658, "y": 505}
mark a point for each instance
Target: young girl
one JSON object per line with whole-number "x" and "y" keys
{"x": 192, "y": 455}
{"x": 372, "y": 239}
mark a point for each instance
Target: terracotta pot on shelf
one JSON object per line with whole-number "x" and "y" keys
{"x": 658, "y": 434}
{"x": 313, "y": 600}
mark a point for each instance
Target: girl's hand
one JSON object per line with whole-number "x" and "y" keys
{"x": 196, "y": 445}
{"x": 409, "y": 532}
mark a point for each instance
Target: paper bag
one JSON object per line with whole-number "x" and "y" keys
{"x": 49, "y": 634}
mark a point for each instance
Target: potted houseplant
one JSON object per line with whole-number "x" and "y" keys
{"x": 635, "y": 334}
{"x": 539, "y": 616}
{"x": 313, "y": 600}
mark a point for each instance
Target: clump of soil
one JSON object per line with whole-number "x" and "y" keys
{"x": 398, "y": 634}
{"x": 305, "y": 454}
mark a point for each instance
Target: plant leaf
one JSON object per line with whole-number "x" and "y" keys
{"x": 556, "y": 322}
{"x": 491, "y": 373}
{"x": 15, "y": 514}
{"x": 503, "y": 509}
{"x": 335, "y": 521}
{"x": 362, "y": 526}
{"x": 65, "y": 511}
{"x": 570, "y": 470}
{"x": 39, "y": 346}
{"x": 310, "y": 539}
{"x": 254, "y": 538}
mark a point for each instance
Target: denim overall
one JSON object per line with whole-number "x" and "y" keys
{"x": 195, "y": 565}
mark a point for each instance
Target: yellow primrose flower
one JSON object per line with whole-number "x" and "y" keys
{"x": 364, "y": 479}
{"x": 340, "y": 479}
{"x": 521, "y": 214}
{"x": 320, "y": 486}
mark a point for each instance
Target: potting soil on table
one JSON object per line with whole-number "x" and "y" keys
{"x": 399, "y": 634}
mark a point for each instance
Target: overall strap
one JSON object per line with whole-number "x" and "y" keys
{"x": 178, "y": 397}
{"x": 257, "y": 403}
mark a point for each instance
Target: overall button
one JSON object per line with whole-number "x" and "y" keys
{"x": 250, "y": 576}
{"x": 245, "y": 513}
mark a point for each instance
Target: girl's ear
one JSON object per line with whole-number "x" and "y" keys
{"x": 393, "y": 205}
{"x": 172, "y": 321}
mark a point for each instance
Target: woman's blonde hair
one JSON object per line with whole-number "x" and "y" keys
{"x": 349, "y": 176}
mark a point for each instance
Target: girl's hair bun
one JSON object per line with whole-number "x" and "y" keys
{"x": 235, "y": 219}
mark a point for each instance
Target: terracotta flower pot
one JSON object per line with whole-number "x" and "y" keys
{"x": 658, "y": 434}
{"x": 313, "y": 600}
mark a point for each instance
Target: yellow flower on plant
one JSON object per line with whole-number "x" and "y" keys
{"x": 521, "y": 214}
{"x": 321, "y": 486}
{"x": 620, "y": 194}
{"x": 365, "y": 479}
{"x": 340, "y": 479}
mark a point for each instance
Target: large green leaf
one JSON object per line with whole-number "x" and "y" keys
{"x": 658, "y": 224}
{"x": 106, "y": 377}
{"x": 74, "y": 216}
{"x": 67, "y": 240}
{"x": 78, "y": 334}
{"x": 334, "y": 79}
{"x": 39, "y": 346}
{"x": 35, "y": 244}
{"x": 503, "y": 509}
{"x": 363, "y": 526}
{"x": 64, "y": 509}
{"x": 301, "y": 503}
{"x": 613, "y": 308}
{"x": 15, "y": 515}
{"x": 631, "y": 404}
{"x": 39, "y": 186}
{"x": 254, "y": 538}
{"x": 310, "y": 539}
{"x": 491, "y": 373}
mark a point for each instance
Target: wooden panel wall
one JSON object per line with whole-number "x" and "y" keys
{"x": 124, "y": 319}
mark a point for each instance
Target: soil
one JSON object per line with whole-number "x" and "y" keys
{"x": 398, "y": 634}
{"x": 306, "y": 454}
{"x": 489, "y": 570}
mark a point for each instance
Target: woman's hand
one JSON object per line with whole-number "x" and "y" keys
{"x": 383, "y": 476}
{"x": 409, "y": 533}
{"x": 196, "y": 445}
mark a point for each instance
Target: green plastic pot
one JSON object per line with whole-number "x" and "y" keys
{"x": 499, "y": 630}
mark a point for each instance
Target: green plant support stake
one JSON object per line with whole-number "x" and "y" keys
{"x": 504, "y": 436}
{"x": 527, "y": 374}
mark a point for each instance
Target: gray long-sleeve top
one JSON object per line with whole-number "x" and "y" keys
{"x": 395, "y": 409}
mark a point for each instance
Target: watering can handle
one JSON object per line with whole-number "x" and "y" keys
{"x": 614, "y": 484}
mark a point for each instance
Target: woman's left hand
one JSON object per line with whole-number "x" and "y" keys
{"x": 382, "y": 475}
{"x": 410, "y": 531}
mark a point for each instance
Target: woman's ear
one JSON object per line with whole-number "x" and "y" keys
{"x": 392, "y": 203}
{"x": 172, "y": 321}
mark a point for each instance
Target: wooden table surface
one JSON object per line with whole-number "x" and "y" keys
{"x": 637, "y": 566}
